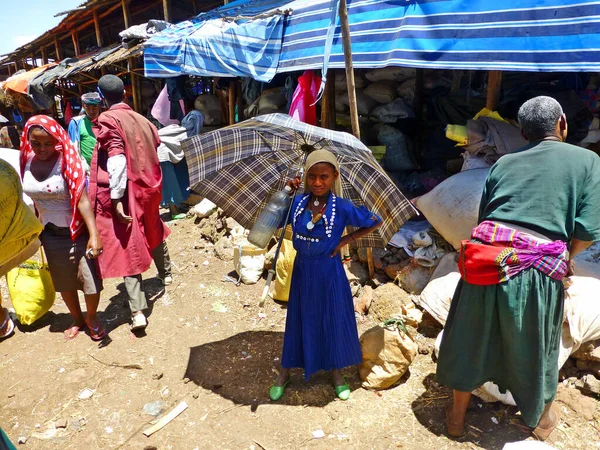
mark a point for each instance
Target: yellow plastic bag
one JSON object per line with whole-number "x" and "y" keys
{"x": 31, "y": 290}
{"x": 283, "y": 271}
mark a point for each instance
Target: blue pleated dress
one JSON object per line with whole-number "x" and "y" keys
{"x": 320, "y": 330}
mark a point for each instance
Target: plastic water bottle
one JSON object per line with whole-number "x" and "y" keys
{"x": 270, "y": 218}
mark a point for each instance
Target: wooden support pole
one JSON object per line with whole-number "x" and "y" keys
{"x": 44, "y": 56}
{"x": 349, "y": 68}
{"x": 97, "y": 28}
{"x": 126, "y": 16}
{"x": 33, "y": 60}
{"x": 231, "y": 100}
{"x": 134, "y": 87}
{"x": 167, "y": 10}
{"x": 57, "y": 49}
{"x": 75, "y": 39}
{"x": 328, "y": 103}
{"x": 194, "y": 8}
{"x": 240, "y": 100}
{"x": 344, "y": 23}
{"x": 494, "y": 88}
{"x": 456, "y": 81}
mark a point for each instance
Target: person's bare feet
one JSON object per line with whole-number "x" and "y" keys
{"x": 547, "y": 423}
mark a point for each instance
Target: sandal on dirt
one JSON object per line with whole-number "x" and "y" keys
{"x": 70, "y": 336}
{"x": 454, "y": 429}
{"x": 543, "y": 433}
{"x": 98, "y": 333}
{"x": 8, "y": 326}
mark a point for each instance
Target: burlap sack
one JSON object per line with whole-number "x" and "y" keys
{"x": 387, "y": 352}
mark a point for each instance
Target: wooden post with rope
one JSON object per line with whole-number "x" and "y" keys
{"x": 345, "y": 25}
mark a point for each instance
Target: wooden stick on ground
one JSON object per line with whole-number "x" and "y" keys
{"x": 166, "y": 419}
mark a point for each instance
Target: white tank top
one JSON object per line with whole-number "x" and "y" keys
{"x": 50, "y": 196}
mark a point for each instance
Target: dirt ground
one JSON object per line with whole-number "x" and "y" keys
{"x": 209, "y": 344}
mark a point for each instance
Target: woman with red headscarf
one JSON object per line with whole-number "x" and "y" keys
{"x": 54, "y": 178}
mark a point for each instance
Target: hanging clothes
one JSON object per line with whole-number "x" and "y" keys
{"x": 303, "y": 106}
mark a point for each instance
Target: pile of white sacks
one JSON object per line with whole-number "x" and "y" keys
{"x": 452, "y": 209}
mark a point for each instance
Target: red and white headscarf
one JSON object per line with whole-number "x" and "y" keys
{"x": 72, "y": 169}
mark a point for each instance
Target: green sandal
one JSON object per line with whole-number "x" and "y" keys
{"x": 343, "y": 391}
{"x": 276, "y": 392}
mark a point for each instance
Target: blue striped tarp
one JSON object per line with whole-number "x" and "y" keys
{"x": 540, "y": 35}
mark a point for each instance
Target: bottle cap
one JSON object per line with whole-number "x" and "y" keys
{"x": 287, "y": 189}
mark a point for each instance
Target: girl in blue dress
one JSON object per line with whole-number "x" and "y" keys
{"x": 320, "y": 330}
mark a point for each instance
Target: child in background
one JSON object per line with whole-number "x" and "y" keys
{"x": 320, "y": 331}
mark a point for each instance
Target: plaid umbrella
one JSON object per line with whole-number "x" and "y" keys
{"x": 240, "y": 166}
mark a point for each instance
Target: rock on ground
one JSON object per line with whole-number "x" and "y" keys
{"x": 363, "y": 303}
{"x": 388, "y": 301}
{"x": 224, "y": 249}
{"x": 589, "y": 351}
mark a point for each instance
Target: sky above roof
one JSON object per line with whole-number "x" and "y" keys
{"x": 18, "y": 27}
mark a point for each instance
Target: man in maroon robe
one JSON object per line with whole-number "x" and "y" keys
{"x": 125, "y": 189}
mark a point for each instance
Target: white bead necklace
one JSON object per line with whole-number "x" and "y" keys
{"x": 329, "y": 223}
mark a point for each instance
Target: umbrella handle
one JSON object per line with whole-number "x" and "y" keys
{"x": 266, "y": 288}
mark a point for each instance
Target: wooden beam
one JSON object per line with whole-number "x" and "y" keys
{"x": 167, "y": 10}
{"x": 126, "y": 16}
{"x": 75, "y": 39}
{"x": 328, "y": 103}
{"x": 494, "y": 89}
{"x": 44, "y": 56}
{"x": 97, "y": 28}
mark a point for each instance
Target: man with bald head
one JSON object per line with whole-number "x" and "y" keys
{"x": 540, "y": 206}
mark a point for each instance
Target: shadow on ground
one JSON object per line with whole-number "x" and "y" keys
{"x": 481, "y": 427}
{"x": 117, "y": 312}
{"x": 243, "y": 367}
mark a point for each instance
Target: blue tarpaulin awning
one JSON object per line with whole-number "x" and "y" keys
{"x": 258, "y": 38}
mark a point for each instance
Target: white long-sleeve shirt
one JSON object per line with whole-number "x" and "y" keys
{"x": 117, "y": 176}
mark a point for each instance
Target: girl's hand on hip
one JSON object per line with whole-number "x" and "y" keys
{"x": 343, "y": 242}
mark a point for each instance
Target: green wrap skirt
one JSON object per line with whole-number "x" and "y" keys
{"x": 509, "y": 334}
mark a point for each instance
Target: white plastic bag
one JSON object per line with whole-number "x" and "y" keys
{"x": 203, "y": 209}
{"x": 437, "y": 295}
{"x": 452, "y": 206}
{"x": 249, "y": 262}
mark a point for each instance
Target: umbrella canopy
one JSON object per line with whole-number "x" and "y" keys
{"x": 258, "y": 38}
{"x": 240, "y": 166}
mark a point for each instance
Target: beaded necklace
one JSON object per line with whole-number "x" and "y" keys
{"x": 329, "y": 222}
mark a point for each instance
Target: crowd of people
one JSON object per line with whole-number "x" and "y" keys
{"x": 540, "y": 208}
{"x": 96, "y": 191}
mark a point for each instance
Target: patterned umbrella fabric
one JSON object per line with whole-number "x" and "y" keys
{"x": 240, "y": 166}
